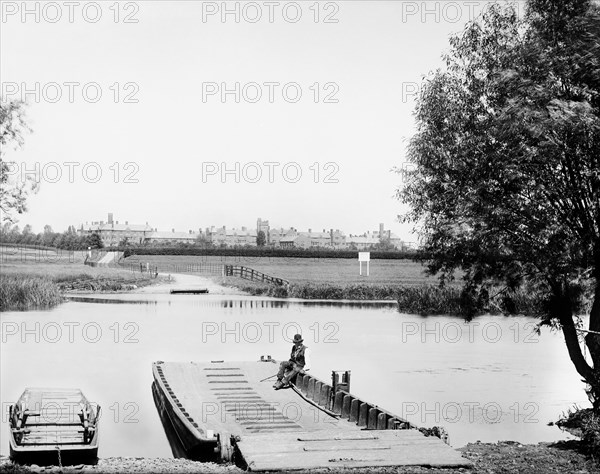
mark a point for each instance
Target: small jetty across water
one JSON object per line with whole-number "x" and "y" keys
{"x": 229, "y": 410}
{"x": 191, "y": 291}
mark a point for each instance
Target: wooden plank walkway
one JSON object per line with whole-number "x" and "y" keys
{"x": 370, "y": 448}
{"x": 230, "y": 398}
{"x": 280, "y": 430}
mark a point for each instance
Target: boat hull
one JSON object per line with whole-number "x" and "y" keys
{"x": 186, "y": 440}
{"x": 49, "y": 456}
{"x": 50, "y": 426}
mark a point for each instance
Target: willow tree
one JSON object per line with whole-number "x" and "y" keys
{"x": 506, "y": 177}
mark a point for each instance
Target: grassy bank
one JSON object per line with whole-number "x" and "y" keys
{"x": 317, "y": 271}
{"x": 23, "y": 292}
{"x": 30, "y": 282}
{"x": 424, "y": 300}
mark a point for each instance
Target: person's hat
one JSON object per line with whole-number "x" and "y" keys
{"x": 298, "y": 338}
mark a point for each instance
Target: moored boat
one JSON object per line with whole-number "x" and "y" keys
{"x": 53, "y": 426}
{"x": 229, "y": 411}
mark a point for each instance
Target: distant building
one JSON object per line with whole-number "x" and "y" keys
{"x": 362, "y": 242}
{"x": 112, "y": 233}
{"x": 161, "y": 237}
{"x": 263, "y": 226}
{"x": 221, "y": 236}
{"x": 381, "y": 235}
{"x": 276, "y": 235}
{"x": 306, "y": 240}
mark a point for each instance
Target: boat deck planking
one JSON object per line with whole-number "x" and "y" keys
{"x": 279, "y": 430}
{"x": 229, "y": 398}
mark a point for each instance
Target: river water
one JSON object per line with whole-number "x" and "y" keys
{"x": 492, "y": 379}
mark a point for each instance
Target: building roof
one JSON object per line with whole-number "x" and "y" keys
{"x": 106, "y": 227}
{"x": 164, "y": 235}
{"x": 288, "y": 238}
{"x": 360, "y": 239}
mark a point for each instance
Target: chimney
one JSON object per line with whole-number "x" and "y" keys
{"x": 172, "y": 231}
{"x": 310, "y": 231}
{"x": 380, "y": 230}
{"x": 110, "y": 218}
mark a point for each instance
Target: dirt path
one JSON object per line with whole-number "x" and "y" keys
{"x": 181, "y": 281}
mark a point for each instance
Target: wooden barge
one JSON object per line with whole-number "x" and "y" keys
{"x": 229, "y": 411}
{"x": 53, "y": 426}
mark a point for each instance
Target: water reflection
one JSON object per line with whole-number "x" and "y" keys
{"x": 236, "y": 303}
{"x": 433, "y": 371}
{"x": 174, "y": 442}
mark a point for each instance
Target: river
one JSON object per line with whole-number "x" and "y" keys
{"x": 492, "y": 379}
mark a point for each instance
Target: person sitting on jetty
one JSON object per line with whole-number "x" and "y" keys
{"x": 299, "y": 363}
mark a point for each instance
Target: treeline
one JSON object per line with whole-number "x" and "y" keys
{"x": 67, "y": 240}
{"x": 262, "y": 252}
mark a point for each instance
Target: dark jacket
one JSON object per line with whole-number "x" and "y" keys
{"x": 297, "y": 355}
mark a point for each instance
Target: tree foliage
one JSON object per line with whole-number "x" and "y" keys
{"x": 507, "y": 178}
{"x": 261, "y": 239}
{"x": 14, "y": 188}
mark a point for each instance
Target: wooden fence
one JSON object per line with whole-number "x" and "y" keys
{"x": 254, "y": 275}
{"x": 210, "y": 269}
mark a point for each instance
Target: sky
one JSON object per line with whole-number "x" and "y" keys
{"x": 189, "y": 114}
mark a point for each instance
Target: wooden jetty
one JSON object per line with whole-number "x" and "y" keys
{"x": 198, "y": 291}
{"x": 229, "y": 410}
{"x": 53, "y": 426}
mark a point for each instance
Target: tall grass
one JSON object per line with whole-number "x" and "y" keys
{"x": 423, "y": 299}
{"x": 427, "y": 300}
{"x": 21, "y": 292}
{"x": 585, "y": 424}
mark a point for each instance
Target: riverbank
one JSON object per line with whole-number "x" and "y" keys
{"x": 506, "y": 457}
{"x": 33, "y": 284}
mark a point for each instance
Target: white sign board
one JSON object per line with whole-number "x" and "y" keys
{"x": 363, "y": 257}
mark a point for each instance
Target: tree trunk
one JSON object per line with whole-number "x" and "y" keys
{"x": 592, "y": 339}
{"x": 590, "y": 374}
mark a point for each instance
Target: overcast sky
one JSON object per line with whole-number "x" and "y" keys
{"x": 175, "y": 152}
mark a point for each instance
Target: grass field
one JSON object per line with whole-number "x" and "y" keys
{"x": 33, "y": 279}
{"x": 334, "y": 271}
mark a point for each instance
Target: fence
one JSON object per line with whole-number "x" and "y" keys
{"x": 254, "y": 275}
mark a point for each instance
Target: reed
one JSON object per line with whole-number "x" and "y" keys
{"x": 22, "y": 292}
{"x": 423, "y": 299}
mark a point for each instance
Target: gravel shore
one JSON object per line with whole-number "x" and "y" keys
{"x": 505, "y": 457}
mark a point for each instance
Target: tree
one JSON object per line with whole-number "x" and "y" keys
{"x": 95, "y": 241}
{"x": 507, "y": 178}
{"x": 14, "y": 188}
{"x": 261, "y": 239}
